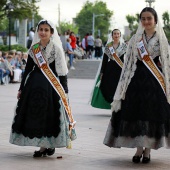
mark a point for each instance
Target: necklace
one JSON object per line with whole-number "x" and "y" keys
{"x": 148, "y": 38}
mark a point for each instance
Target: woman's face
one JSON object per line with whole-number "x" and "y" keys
{"x": 116, "y": 35}
{"x": 44, "y": 32}
{"x": 148, "y": 20}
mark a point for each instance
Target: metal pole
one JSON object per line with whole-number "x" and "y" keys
{"x": 93, "y": 24}
{"x": 9, "y": 32}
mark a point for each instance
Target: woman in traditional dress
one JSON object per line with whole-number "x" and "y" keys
{"x": 109, "y": 71}
{"x": 141, "y": 110}
{"x": 40, "y": 117}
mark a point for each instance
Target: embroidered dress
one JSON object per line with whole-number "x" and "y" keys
{"x": 103, "y": 93}
{"x": 144, "y": 116}
{"x": 40, "y": 119}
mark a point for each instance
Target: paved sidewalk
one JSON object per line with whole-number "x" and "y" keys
{"x": 88, "y": 152}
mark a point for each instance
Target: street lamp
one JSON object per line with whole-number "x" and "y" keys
{"x": 150, "y": 2}
{"x": 93, "y": 23}
{"x": 9, "y": 7}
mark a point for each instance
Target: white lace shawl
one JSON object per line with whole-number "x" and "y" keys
{"x": 120, "y": 50}
{"x": 51, "y": 53}
{"x": 129, "y": 66}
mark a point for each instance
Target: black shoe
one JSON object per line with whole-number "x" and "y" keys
{"x": 136, "y": 159}
{"x": 50, "y": 151}
{"x": 2, "y": 83}
{"x": 39, "y": 153}
{"x": 146, "y": 160}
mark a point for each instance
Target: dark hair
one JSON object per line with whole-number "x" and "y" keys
{"x": 32, "y": 29}
{"x": 71, "y": 33}
{"x": 151, "y": 10}
{"x": 46, "y": 22}
{"x": 116, "y": 30}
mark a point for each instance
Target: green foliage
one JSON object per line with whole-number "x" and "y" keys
{"x": 22, "y": 9}
{"x": 13, "y": 47}
{"x": 64, "y": 26}
{"x": 166, "y": 21}
{"x": 133, "y": 22}
{"x": 3, "y": 23}
{"x": 85, "y": 16}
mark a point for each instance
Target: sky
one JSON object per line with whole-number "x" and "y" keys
{"x": 121, "y": 8}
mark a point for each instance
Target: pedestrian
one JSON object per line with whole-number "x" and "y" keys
{"x": 98, "y": 47}
{"x": 40, "y": 116}
{"x": 141, "y": 110}
{"x": 30, "y": 37}
{"x": 109, "y": 71}
{"x": 70, "y": 53}
{"x": 73, "y": 40}
{"x": 90, "y": 47}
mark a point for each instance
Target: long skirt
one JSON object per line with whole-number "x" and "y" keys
{"x": 40, "y": 118}
{"x": 144, "y": 118}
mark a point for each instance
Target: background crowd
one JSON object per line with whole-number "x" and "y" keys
{"x": 12, "y": 66}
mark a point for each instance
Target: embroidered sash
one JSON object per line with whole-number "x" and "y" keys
{"x": 150, "y": 64}
{"x": 44, "y": 67}
{"x": 115, "y": 57}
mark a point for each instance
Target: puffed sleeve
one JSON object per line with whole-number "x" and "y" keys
{"x": 29, "y": 67}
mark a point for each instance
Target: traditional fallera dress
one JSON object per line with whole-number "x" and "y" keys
{"x": 40, "y": 118}
{"x": 141, "y": 112}
{"x": 104, "y": 90}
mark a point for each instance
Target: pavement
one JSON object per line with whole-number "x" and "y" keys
{"x": 88, "y": 151}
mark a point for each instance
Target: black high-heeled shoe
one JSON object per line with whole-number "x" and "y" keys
{"x": 136, "y": 159}
{"x": 39, "y": 153}
{"x": 50, "y": 151}
{"x": 146, "y": 160}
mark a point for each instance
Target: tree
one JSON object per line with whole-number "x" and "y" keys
{"x": 166, "y": 21}
{"x": 133, "y": 22}
{"x": 22, "y": 8}
{"x": 84, "y": 18}
{"x": 64, "y": 26}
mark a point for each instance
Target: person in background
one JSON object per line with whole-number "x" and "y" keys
{"x": 109, "y": 71}
{"x": 4, "y": 55}
{"x": 5, "y": 69}
{"x": 23, "y": 62}
{"x": 98, "y": 47}
{"x": 70, "y": 53}
{"x": 30, "y": 37}
{"x": 73, "y": 40}
{"x": 90, "y": 47}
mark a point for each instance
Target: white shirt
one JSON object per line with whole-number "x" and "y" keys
{"x": 90, "y": 40}
{"x": 31, "y": 35}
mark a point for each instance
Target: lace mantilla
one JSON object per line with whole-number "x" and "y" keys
{"x": 156, "y": 47}
{"x": 51, "y": 53}
{"x": 119, "y": 51}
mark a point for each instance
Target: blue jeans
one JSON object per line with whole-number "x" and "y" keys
{"x": 2, "y": 74}
{"x": 71, "y": 56}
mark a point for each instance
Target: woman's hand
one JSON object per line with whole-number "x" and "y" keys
{"x": 19, "y": 94}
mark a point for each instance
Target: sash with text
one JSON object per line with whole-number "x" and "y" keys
{"x": 150, "y": 64}
{"x": 44, "y": 67}
{"x": 115, "y": 57}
